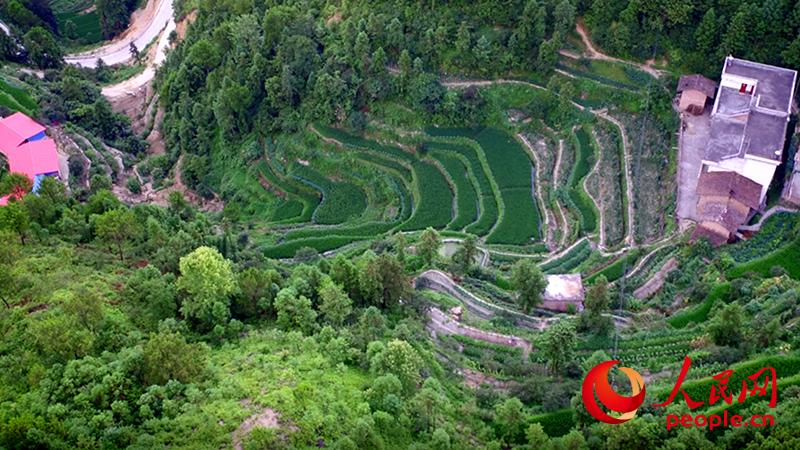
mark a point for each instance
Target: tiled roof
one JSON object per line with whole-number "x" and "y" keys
{"x": 730, "y": 184}
{"x": 697, "y": 83}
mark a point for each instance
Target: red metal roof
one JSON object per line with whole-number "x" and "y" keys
{"x": 33, "y": 158}
{"x": 17, "y": 127}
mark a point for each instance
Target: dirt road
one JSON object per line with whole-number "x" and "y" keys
{"x": 146, "y": 25}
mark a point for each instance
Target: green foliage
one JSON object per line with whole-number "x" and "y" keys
{"x": 116, "y": 227}
{"x": 208, "y": 281}
{"x": 428, "y": 245}
{"x": 400, "y": 359}
{"x": 700, "y": 313}
{"x": 558, "y": 346}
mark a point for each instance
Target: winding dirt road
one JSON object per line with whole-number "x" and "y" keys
{"x": 146, "y": 24}
{"x": 594, "y": 53}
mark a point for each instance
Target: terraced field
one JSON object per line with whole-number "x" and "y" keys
{"x": 608, "y": 181}
{"x": 512, "y": 171}
{"x": 579, "y": 199}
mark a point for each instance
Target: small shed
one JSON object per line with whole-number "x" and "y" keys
{"x": 563, "y": 291}
{"x": 694, "y": 91}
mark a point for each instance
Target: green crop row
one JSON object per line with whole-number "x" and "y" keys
{"x": 341, "y": 201}
{"x": 617, "y": 269}
{"x": 556, "y": 423}
{"x": 466, "y": 197}
{"x": 17, "y": 98}
{"x": 775, "y": 232}
{"x": 434, "y": 194}
{"x": 321, "y": 244}
{"x": 298, "y": 192}
{"x": 786, "y": 257}
{"x": 365, "y": 229}
{"x": 467, "y": 341}
{"x": 520, "y": 222}
{"x": 578, "y": 196}
{"x": 511, "y": 169}
{"x": 435, "y": 208}
{"x": 508, "y": 162}
{"x": 488, "y": 203}
{"x": 570, "y": 260}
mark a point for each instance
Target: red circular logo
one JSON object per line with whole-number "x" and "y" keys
{"x": 597, "y": 381}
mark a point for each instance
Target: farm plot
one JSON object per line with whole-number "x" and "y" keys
{"x": 653, "y": 183}
{"x": 609, "y": 181}
{"x": 488, "y": 202}
{"x": 84, "y": 17}
{"x": 467, "y": 201}
{"x": 341, "y": 201}
{"x": 511, "y": 169}
{"x": 786, "y": 257}
{"x": 616, "y": 75}
{"x": 578, "y": 198}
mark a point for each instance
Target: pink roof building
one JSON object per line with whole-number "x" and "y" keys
{"x": 28, "y": 150}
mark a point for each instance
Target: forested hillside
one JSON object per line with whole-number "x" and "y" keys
{"x": 697, "y": 35}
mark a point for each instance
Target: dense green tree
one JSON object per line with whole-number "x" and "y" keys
{"x": 167, "y": 356}
{"x": 208, "y": 281}
{"x": 428, "y": 245}
{"x": 8, "y": 256}
{"x": 430, "y": 405}
{"x": 707, "y": 33}
{"x": 151, "y": 296}
{"x": 14, "y": 217}
{"x": 335, "y": 305}
{"x": 114, "y": 16}
{"x": 43, "y": 49}
{"x": 116, "y": 227}
{"x": 256, "y": 292}
{"x": 558, "y": 346}
{"x": 464, "y": 257}
{"x": 294, "y": 311}
{"x": 16, "y": 185}
{"x": 401, "y": 359}
{"x": 510, "y": 420}
{"x": 536, "y": 436}
{"x": 727, "y": 326}
{"x": 383, "y": 281}
{"x": 529, "y": 282}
